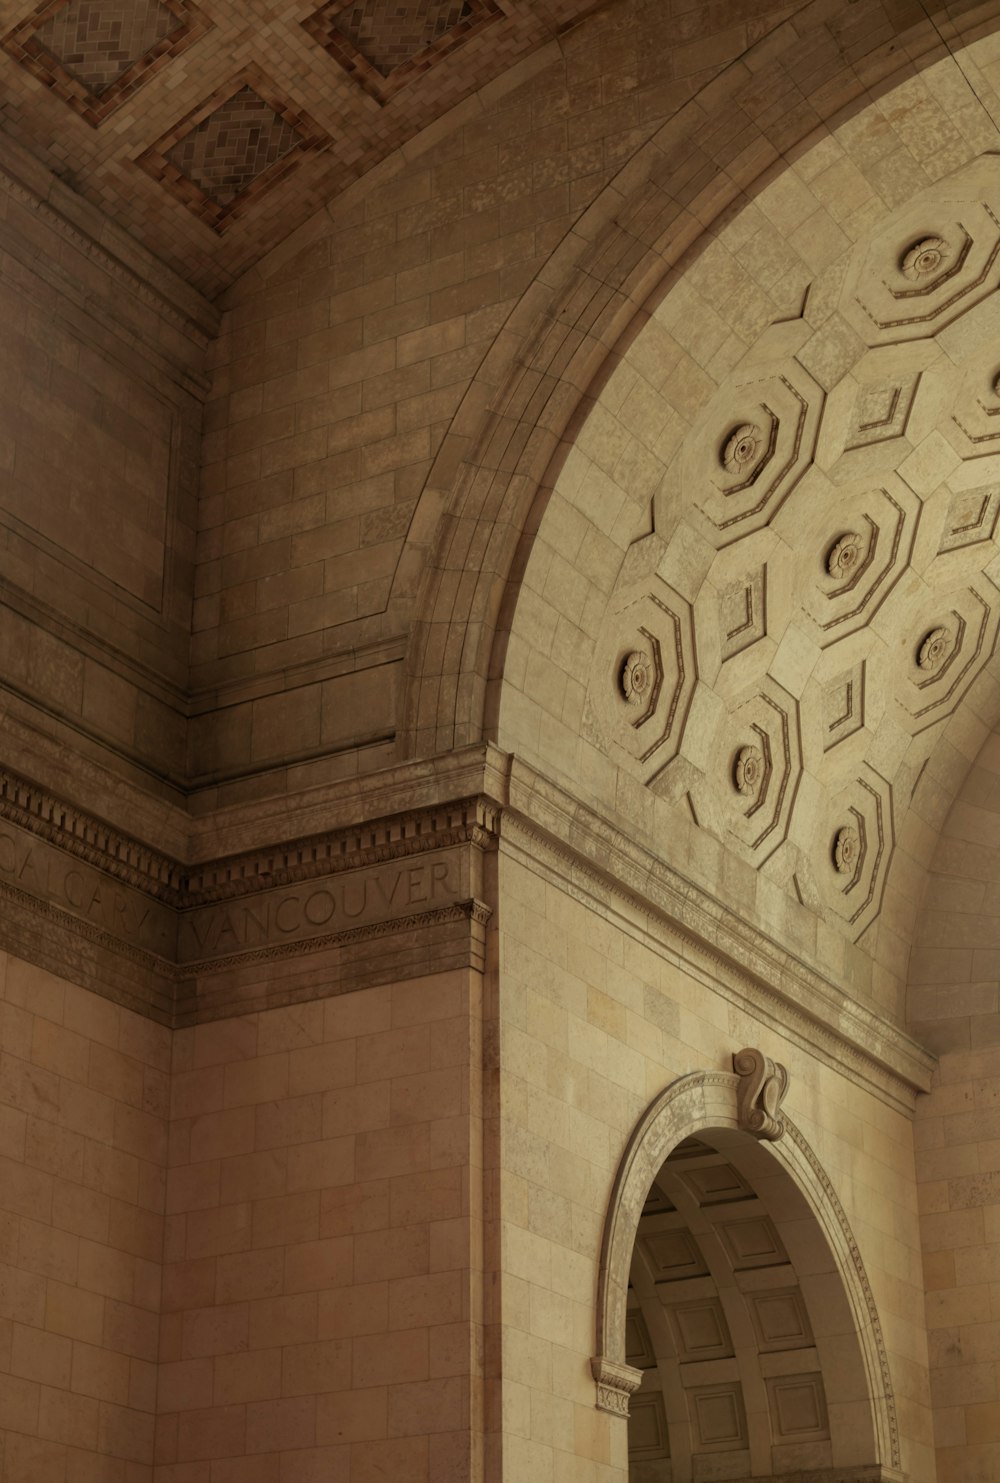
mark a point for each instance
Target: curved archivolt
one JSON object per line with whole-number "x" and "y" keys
{"x": 734, "y": 1300}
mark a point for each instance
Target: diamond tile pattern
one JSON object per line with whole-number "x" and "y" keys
{"x": 97, "y": 40}
{"x": 319, "y": 81}
{"x": 96, "y": 54}
{"x": 387, "y": 45}
{"x": 233, "y": 146}
{"x": 390, "y": 33}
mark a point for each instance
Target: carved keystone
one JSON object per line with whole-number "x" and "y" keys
{"x": 763, "y": 1084}
{"x": 615, "y": 1384}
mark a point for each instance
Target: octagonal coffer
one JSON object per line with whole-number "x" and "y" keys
{"x": 749, "y": 449}
{"x": 928, "y": 265}
{"x": 944, "y": 652}
{"x": 856, "y": 543}
{"x": 644, "y": 675}
{"x": 851, "y": 850}
{"x": 758, "y": 769}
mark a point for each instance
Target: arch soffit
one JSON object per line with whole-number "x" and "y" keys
{"x": 539, "y": 379}
{"x": 690, "y": 1106}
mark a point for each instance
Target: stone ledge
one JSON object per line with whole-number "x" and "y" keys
{"x": 182, "y": 938}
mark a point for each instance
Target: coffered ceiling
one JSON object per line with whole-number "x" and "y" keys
{"x": 211, "y": 129}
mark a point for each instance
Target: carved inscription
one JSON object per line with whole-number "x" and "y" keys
{"x": 37, "y": 870}
{"x": 41, "y": 871}
{"x": 334, "y": 904}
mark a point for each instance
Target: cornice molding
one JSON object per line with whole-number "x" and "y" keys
{"x": 88, "y": 838}
{"x": 472, "y": 820}
{"x": 396, "y": 873}
{"x": 412, "y": 946}
{"x": 398, "y": 896}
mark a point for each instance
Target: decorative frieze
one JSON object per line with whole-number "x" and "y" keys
{"x": 393, "y": 898}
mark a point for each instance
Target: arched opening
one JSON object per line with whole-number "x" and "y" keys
{"x": 735, "y": 1297}
{"x": 738, "y": 1320}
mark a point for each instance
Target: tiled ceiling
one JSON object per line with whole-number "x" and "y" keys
{"x": 211, "y": 130}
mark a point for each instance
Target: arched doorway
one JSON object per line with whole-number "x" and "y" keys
{"x": 735, "y": 1306}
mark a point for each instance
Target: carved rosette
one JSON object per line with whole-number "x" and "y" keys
{"x": 760, "y": 741}
{"x": 742, "y": 450}
{"x": 763, "y": 1084}
{"x": 863, "y": 564}
{"x": 845, "y": 556}
{"x": 852, "y": 860}
{"x": 934, "y": 649}
{"x": 643, "y": 675}
{"x": 616, "y": 1384}
{"x": 951, "y": 654}
{"x": 926, "y": 258}
{"x": 846, "y": 850}
{"x": 637, "y": 678}
{"x": 748, "y": 771}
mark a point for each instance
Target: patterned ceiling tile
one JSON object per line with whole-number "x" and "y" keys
{"x": 361, "y": 114}
{"x": 95, "y": 53}
{"x": 97, "y": 41}
{"x": 221, "y": 158}
{"x": 233, "y": 146}
{"x": 389, "y": 34}
{"x": 384, "y": 44}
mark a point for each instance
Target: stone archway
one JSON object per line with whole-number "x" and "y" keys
{"x": 730, "y": 1264}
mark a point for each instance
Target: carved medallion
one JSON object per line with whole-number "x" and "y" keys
{"x": 934, "y": 649}
{"x": 846, "y": 847}
{"x": 844, "y": 556}
{"x": 742, "y": 448}
{"x": 748, "y": 771}
{"x": 637, "y": 677}
{"x": 925, "y": 258}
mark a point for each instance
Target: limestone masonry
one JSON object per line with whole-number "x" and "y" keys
{"x": 500, "y": 741}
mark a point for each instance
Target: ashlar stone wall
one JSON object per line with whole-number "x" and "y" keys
{"x": 84, "y": 1108}
{"x": 322, "y": 1258}
{"x": 595, "y": 1020}
{"x": 102, "y": 372}
{"x": 952, "y": 1000}
{"x": 264, "y": 1263}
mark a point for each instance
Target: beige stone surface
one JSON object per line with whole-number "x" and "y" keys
{"x": 84, "y": 1106}
{"x": 596, "y": 1024}
{"x": 321, "y": 1235}
{"x": 532, "y": 637}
